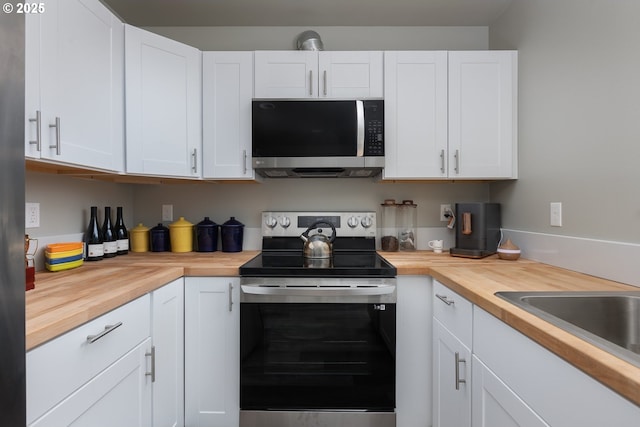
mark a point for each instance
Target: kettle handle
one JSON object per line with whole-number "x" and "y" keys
{"x": 316, "y": 224}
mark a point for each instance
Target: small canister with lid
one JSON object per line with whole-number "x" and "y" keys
{"x": 232, "y": 234}
{"x": 407, "y": 225}
{"x": 181, "y": 235}
{"x": 206, "y": 235}
{"x": 139, "y": 238}
{"x": 160, "y": 241}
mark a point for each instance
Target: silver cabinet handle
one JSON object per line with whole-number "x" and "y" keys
{"x": 107, "y": 329}
{"x": 360, "y": 136}
{"x": 194, "y": 156}
{"x": 445, "y": 299}
{"x": 244, "y": 162}
{"x": 442, "y": 161}
{"x": 152, "y": 354}
{"x": 457, "y": 157}
{"x": 57, "y": 144}
{"x": 458, "y": 379}
{"x": 230, "y": 296}
{"x": 310, "y": 82}
{"x": 38, "y": 121}
{"x": 324, "y": 78}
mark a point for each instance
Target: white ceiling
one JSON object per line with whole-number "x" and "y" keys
{"x": 150, "y": 13}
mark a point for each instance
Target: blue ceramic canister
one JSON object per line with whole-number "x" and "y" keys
{"x": 160, "y": 241}
{"x": 206, "y": 235}
{"x": 232, "y": 234}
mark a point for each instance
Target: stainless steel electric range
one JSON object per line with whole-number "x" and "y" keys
{"x": 317, "y": 336}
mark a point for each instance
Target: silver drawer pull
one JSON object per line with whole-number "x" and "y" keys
{"x": 37, "y": 121}
{"x": 458, "y": 379}
{"x": 445, "y": 300}
{"x": 152, "y": 354}
{"x": 109, "y": 328}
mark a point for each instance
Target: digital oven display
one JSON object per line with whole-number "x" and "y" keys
{"x": 307, "y": 221}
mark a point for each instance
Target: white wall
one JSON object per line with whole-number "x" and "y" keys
{"x": 579, "y": 125}
{"x": 333, "y": 38}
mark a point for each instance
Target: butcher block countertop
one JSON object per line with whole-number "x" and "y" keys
{"x": 64, "y": 300}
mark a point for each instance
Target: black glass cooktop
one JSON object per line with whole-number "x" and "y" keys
{"x": 341, "y": 264}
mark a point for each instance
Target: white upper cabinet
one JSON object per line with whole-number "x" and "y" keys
{"x": 415, "y": 114}
{"x": 450, "y": 115}
{"x": 227, "y": 87}
{"x": 312, "y": 74}
{"x": 74, "y": 85}
{"x": 163, "y": 105}
{"x": 482, "y": 114}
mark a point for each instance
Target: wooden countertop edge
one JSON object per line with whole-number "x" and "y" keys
{"x": 615, "y": 373}
{"x": 50, "y": 325}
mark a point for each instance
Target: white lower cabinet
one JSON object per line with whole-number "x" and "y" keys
{"x": 124, "y": 368}
{"x": 212, "y": 351}
{"x": 451, "y": 374}
{"x": 507, "y": 379}
{"x": 559, "y": 393}
{"x": 167, "y": 329}
{"x": 95, "y": 374}
{"x": 495, "y": 404}
{"x": 413, "y": 351}
{"x": 118, "y": 396}
{"x": 452, "y": 325}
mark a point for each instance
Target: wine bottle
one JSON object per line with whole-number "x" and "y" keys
{"x": 94, "y": 245}
{"x": 122, "y": 236}
{"x": 108, "y": 236}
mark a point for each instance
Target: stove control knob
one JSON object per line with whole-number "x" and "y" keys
{"x": 353, "y": 222}
{"x": 271, "y": 222}
{"x": 366, "y": 222}
{"x": 285, "y": 222}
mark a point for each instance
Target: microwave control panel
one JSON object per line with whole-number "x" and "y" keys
{"x": 374, "y": 128}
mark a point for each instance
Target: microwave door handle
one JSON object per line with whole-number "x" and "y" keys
{"x": 360, "y": 133}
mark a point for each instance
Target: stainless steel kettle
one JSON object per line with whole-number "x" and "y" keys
{"x": 318, "y": 246}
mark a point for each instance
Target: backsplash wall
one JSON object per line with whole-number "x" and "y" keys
{"x": 65, "y": 201}
{"x": 246, "y": 201}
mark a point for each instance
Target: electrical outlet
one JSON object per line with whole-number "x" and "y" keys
{"x": 555, "y": 214}
{"x": 32, "y": 215}
{"x": 444, "y": 209}
{"x": 167, "y": 212}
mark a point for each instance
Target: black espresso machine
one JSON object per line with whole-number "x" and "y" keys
{"x": 477, "y": 229}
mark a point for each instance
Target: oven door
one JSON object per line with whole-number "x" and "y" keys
{"x": 309, "y": 347}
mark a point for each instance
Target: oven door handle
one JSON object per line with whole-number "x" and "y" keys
{"x": 328, "y": 291}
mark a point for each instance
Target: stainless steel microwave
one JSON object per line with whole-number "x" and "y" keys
{"x": 318, "y": 138}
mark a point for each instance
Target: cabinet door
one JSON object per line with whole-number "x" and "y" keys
{"x": 350, "y": 74}
{"x": 413, "y": 351}
{"x": 227, "y": 87}
{"x": 212, "y": 351}
{"x": 164, "y": 108}
{"x": 80, "y": 71}
{"x": 482, "y": 114}
{"x": 451, "y": 379}
{"x": 286, "y": 74}
{"x": 495, "y": 404}
{"x": 415, "y": 92}
{"x": 32, "y": 110}
{"x": 167, "y": 329}
{"x": 118, "y": 396}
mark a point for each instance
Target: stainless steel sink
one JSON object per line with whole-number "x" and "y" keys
{"x": 609, "y": 320}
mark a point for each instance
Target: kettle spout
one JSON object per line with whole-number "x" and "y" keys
{"x": 304, "y": 238}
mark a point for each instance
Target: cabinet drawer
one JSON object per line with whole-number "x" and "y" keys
{"x": 59, "y": 367}
{"x": 454, "y": 312}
